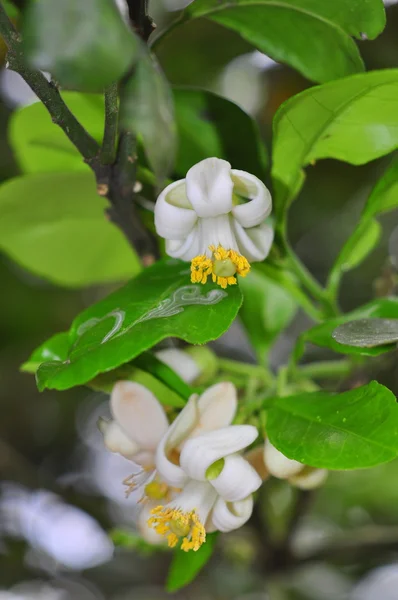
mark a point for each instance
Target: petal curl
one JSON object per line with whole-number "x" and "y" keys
{"x": 138, "y": 413}
{"x": 254, "y": 243}
{"x": 217, "y": 407}
{"x": 259, "y": 206}
{"x": 174, "y": 218}
{"x": 187, "y": 248}
{"x": 227, "y": 517}
{"x": 209, "y": 187}
{"x": 278, "y": 464}
{"x": 200, "y": 452}
{"x": 309, "y": 479}
{"x": 116, "y": 440}
{"x": 237, "y": 480}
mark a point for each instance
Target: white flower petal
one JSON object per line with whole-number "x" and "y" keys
{"x": 216, "y": 231}
{"x": 116, "y": 440}
{"x": 181, "y": 362}
{"x": 217, "y": 407}
{"x": 255, "y": 457}
{"x": 138, "y": 413}
{"x": 196, "y": 495}
{"x": 254, "y": 211}
{"x": 187, "y": 248}
{"x": 309, "y": 479}
{"x": 278, "y": 464}
{"x": 237, "y": 480}
{"x": 200, "y": 452}
{"x": 174, "y": 219}
{"x": 254, "y": 243}
{"x": 209, "y": 187}
{"x": 227, "y": 517}
{"x": 172, "y": 473}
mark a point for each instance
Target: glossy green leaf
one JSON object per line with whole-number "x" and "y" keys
{"x": 55, "y": 348}
{"x": 321, "y": 335}
{"x": 209, "y": 125}
{"x": 185, "y": 566}
{"x": 354, "y": 119}
{"x": 40, "y": 146}
{"x": 53, "y": 224}
{"x": 84, "y": 45}
{"x": 352, "y": 430}
{"x": 358, "y": 246}
{"x": 312, "y": 36}
{"x": 367, "y": 333}
{"x": 384, "y": 196}
{"x": 267, "y": 309}
{"x": 159, "y": 303}
{"x": 146, "y": 108}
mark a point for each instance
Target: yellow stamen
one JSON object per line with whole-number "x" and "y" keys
{"x": 223, "y": 266}
{"x": 176, "y": 524}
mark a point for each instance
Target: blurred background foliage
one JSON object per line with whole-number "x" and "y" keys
{"x": 61, "y": 491}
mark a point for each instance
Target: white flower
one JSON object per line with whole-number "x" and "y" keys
{"x": 215, "y": 218}
{"x": 138, "y": 426}
{"x": 299, "y": 475}
{"x": 200, "y": 453}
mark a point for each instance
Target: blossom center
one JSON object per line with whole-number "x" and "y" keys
{"x": 156, "y": 490}
{"x": 175, "y": 524}
{"x": 222, "y": 266}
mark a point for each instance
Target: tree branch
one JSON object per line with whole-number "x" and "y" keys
{"x": 108, "y": 150}
{"x": 47, "y": 92}
{"x": 115, "y": 178}
{"x": 142, "y": 22}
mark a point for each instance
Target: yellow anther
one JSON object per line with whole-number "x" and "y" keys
{"x": 176, "y": 524}
{"x": 223, "y": 266}
{"x": 156, "y": 490}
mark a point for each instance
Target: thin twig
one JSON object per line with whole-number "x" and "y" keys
{"x": 47, "y": 92}
{"x": 108, "y": 150}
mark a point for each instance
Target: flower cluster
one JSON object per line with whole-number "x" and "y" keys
{"x": 197, "y": 475}
{"x": 215, "y": 218}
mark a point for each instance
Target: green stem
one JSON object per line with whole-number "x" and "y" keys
{"x": 329, "y": 369}
{"x": 108, "y": 150}
{"x": 47, "y": 92}
{"x": 294, "y": 290}
{"x": 240, "y": 368}
{"x": 329, "y": 307}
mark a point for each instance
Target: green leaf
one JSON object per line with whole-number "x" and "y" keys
{"x": 312, "y": 36}
{"x": 53, "y": 224}
{"x": 352, "y": 430}
{"x": 383, "y": 198}
{"x": 55, "y": 348}
{"x": 164, "y": 373}
{"x": 146, "y": 108}
{"x": 321, "y": 335}
{"x": 209, "y": 125}
{"x": 367, "y": 333}
{"x": 267, "y": 309}
{"x": 186, "y": 565}
{"x": 358, "y": 246}
{"x": 84, "y": 45}
{"x": 159, "y": 303}
{"x": 40, "y": 146}
{"x": 354, "y": 119}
